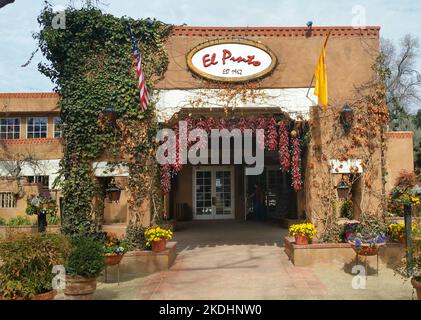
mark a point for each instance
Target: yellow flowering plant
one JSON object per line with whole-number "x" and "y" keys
{"x": 396, "y": 231}
{"x": 157, "y": 234}
{"x": 304, "y": 229}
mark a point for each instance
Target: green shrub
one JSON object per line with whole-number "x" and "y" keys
{"x": 2, "y": 221}
{"x": 86, "y": 258}
{"x": 53, "y": 219}
{"x": 135, "y": 237}
{"x": 347, "y": 210}
{"x": 19, "y": 221}
{"x": 27, "y": 262}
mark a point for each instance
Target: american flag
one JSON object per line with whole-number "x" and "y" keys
{"x": 143, "y": 90}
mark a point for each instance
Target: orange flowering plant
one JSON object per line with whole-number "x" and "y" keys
{"x": 114, "y": 246}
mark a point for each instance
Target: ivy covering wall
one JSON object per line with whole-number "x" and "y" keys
{"x": 92, "y": 65}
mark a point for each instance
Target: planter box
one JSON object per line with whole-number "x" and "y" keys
{"x": 6, "y": 232}
{"x": 342, "y": 253}
{"x": 145, "y": 261}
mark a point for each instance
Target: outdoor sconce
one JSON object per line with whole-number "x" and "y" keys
{"x": 113, "y": 192}
{"x": 346, "y": 118}
{"x": 343, "y": 190}
{"x": 110, "y": 116}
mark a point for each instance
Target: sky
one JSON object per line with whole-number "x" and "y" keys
{"x": 18, "y": 23}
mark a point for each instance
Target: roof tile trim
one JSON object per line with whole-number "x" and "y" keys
{"x": 273, "y": 31}
{"x": 33, "y": 141}
{"x": 28, "y": 95}
{"x": 400, "y": 134}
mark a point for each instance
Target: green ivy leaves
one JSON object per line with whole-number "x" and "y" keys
{"x": 91, "y": 63}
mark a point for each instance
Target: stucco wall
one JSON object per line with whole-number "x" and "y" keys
{"x": 350, "y": 54}
{"x": 400, "y": 155}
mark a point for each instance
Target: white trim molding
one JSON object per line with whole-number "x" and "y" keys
{"x": 346, "y": 167}
{"x": 294, "y": 101}
{"x": 103, "y": 169}
{"x": 32, "y": 168}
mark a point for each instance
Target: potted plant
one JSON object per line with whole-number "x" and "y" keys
{"x": 370, "y": 235}
{"x": 303, "y": 233}
{"x": 366, "y": 244}
{"x": 27, "y": 264}
{"x": 412, "y": 270}
{"x": 157, "y": 238}
{"x": 349, "y": 230}
{"x": 114, "y": 249}
{"x": 416, "y": 268}
{"x": 397, "y": 232}
{"x": 84, "y": 265}
{"x": 404, "y": 193}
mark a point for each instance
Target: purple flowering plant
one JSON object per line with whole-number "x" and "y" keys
{"x": 370, "y": 232}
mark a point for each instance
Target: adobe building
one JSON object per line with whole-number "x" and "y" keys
{"x": 238, "y": 75}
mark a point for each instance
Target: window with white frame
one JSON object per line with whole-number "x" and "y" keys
{"x": 37, "y": 127}
{"x": 58, "y": 127}
{"x": 7, "y": 200}
{"x": 9, "y": 128}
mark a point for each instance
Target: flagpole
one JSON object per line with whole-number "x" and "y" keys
{"x": 324, "y": 46}
{"x": 309, "y": 87}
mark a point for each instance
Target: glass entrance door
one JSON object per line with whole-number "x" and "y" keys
{"x": 280, "y": 199}
{"x": 213, "y": 193}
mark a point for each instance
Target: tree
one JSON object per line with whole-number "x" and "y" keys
{"x": 417, "y": 119}
{"x": 397, "y": 66}
{"x": 5, "y": 2}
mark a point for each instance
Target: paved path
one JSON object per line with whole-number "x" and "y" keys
{"x": 232, "y": 260}
{"x": 245, "y": 260}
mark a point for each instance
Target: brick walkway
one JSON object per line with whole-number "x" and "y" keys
{"x": 244, "y": 260}
{"x": 231, "y": 260}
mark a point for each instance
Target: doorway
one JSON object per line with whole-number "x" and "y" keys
{"x": 213, "y": 193}
{"x": 279, "y": 198}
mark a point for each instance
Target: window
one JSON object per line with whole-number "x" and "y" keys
{"x": 58, "y": 127}
{"x": 7, "y": 200}
{"x": 43, "y": 180}
{"x": 37, "y": 127}
{"x": 9, "y": 128}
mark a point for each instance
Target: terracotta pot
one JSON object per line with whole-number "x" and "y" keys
{"x": 417, "y": 286}
{"x": 113, "y": 260}
{"x": 79, "y": 288}
{"x": 301, "y": 240}
{"x": 159, "y": 246}
{"x": 402, "y": 239}
{"x": 367, "y": 250}
{"x": 46, "y": 296}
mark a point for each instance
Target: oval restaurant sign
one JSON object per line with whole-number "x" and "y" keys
{"x": 231, "y": 60}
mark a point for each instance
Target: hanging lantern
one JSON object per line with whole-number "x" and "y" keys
{"x": 113, "y": 192}
{"x": 110, "y": 116}
{"x": 346, "y": 118}
{"x": 343, "y": 190}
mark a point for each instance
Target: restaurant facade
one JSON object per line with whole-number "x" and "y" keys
{"x": 226, "y": 79}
